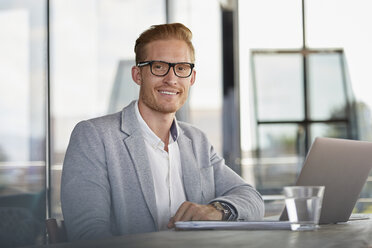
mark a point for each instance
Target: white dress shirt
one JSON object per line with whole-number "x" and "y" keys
{"x": 166, "y": 171}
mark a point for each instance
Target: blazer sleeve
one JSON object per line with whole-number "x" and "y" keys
{"x": 231, "y": 188}
{"x": 85, "y": 188}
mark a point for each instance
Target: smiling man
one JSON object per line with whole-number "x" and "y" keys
{"x": 141, "y": 170}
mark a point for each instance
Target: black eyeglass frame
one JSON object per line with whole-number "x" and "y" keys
{"x": 144, "y": 63}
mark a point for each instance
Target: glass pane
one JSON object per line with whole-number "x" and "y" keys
{"x": 326, "y": 87}
{"x": 279, "y": 86}
{"x": 278, "y": 140}
{"x": 22, "y": 118}
{"x": 202, "y": 110}
{"x": 332, "y": 130}
{"x": 278, "y": 163}
{"x": 364, "y": 204}
{"x": 270, "y": 24}
{"x": 91, "y": 59}
{"x": 329, "y": 28}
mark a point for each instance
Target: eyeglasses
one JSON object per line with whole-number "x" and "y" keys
{"x": 161, "y": 68}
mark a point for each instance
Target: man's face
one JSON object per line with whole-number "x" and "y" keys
{"x": 168, "y": 93}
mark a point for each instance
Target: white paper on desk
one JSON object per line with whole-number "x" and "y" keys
{"x": 233, "y": 225}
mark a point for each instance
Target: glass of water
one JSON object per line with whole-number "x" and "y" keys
{"x": 304, "y": 204}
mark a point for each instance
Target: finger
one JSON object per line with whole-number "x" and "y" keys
{"x": 171, "y": 223}
{"x": 181, "y": 211}
{"x": 189, "y": 212}
{"x": 197, "y": 216}
{"x": 202, "y": 212}
{"x": 206, "y": 212}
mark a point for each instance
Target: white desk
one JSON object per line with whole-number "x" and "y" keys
{"x": 351, "y": 234}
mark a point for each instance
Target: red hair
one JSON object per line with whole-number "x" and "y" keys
{"x": 163, "y": 32}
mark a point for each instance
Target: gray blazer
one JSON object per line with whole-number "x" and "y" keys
{"x": 107, "y": 186}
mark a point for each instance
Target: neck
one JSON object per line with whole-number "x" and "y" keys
{"x": 160, "y": 123}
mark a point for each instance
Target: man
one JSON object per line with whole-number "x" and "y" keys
{"x": 140, "y": 170}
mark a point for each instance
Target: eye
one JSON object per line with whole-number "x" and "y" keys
{"x": 158, "y": 66}
{"x": 182, "y": 67}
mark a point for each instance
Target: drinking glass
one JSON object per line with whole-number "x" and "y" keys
{"x": 304, "y": 204}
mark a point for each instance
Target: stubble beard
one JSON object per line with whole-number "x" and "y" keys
{"x": 149, "y": 100}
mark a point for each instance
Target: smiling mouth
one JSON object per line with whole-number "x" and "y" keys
{"x": 167, "y": 92}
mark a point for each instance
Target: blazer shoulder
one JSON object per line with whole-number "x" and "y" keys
{"x": 102, "y": 123}
{"x": 106, "y": 119}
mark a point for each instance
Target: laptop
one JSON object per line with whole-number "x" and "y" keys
{"x": 342, "y": 166}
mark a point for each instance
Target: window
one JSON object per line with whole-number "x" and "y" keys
{"x": 299, "y": 95}
{"x": 22, "y": 130}
{"x": 300, "y": 86}
{"x": 91, "y": 60}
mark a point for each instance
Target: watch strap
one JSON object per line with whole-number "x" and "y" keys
{"x": 228, "y": 213}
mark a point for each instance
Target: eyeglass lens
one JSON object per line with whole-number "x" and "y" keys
{"x": 159, "y": 68}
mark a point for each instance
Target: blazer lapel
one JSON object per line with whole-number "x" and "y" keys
{"x": 190, "y": 170}
{"x": 140, "y": 160}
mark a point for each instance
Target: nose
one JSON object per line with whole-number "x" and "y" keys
{"x": 171, "y": 77}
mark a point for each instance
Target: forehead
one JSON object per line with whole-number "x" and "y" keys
{"x": 168, "y": 50}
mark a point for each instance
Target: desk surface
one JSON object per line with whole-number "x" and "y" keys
{"x": 357, "y": 233}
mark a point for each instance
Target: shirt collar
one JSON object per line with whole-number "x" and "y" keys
{"x": 150, "y": 136}
{"x": 174, "y": 130}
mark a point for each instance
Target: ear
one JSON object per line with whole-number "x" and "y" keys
{"x": 193, "y": 77}
{"x": 136, "y": 75}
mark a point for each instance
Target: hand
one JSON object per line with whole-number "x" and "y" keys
{"x": 192, "y": 211}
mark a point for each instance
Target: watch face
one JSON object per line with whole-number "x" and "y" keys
{"x": 225, "y": 211}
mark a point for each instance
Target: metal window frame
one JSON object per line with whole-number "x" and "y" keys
{"x": 307, "y": 120}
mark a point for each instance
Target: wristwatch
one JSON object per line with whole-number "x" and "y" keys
{"x": 226, "y": 212}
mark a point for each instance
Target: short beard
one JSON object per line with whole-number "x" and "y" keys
{"x": 150, "y": 102}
